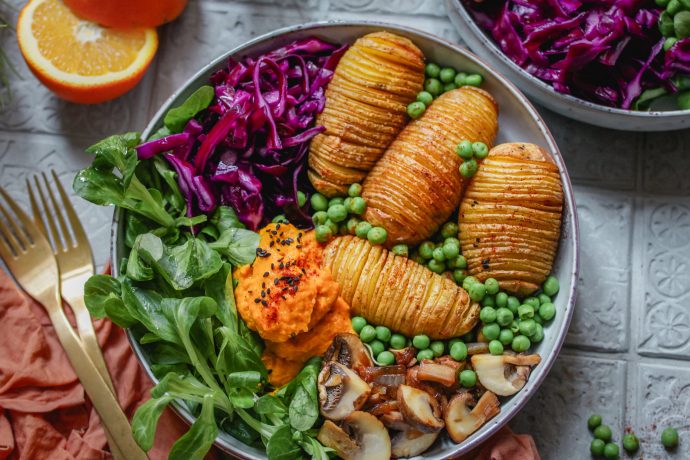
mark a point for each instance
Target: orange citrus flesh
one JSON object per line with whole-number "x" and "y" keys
{"x": 80, "y": 60}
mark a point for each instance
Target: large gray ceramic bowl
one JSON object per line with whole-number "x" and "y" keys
{"x": 662, "y": 118}
{"x": 519, "y": 121}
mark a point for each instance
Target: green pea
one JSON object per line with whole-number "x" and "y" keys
{"x": 280, "y": 219}
{"x": 322, "y": 233}
{"x": 469, "y": 281}
{"x": 426, "y": 249}
{"x": 520, "y": 344}
{"x": 597, "y": 447}
{"x": 603, "y": 432}
{"x": 487, "y": 315}
{"x": 501, "y": 300}
{"x": 433, "y": 87}
{"x": 319, "y": 202}
{"x": 416, "y": 109}
{"x": 449, "y": 230}
{"x": 538, "y": 335}
{"x": 669, "y": 42}
{"x": 337, "y": 213}
{"x": 385, "y": 358}
{"x": 376, "y": 347}
{"x": 464, "y": 150}
{"x": 400, "y": 250}
{"x": 460, "y": 79}
{"x": 377, "y": 235}
{"x": 354, "y": 190}
{"x": 533, "y": 301}
{"x": 673, "y": 7}
{"x": 425, "y": 354}
{"x": 683, "y": 100}
{"x": 346, "y": 202}
{"x": 459, "y": 276}
{"x": 358, "y": 205}
{"x": 491, "y": 286}
{"x": 630, "y": 443}
{"x": 551, "y": 286}
{"x": 666, "y": 24}
{"x": 449, "y": 87}
{"x": 515, "y": 326}
{"x": 452, "y": 342}
{"x": 450, "y": 251}
{"x": 421, "y": 342}
{"x": 437, "y": 347}
{"x": 425, "y": 98}
{"x": 447, "y": 74}
{"x": 496, "y": 347}
{"x": 611, "y": 451}
{"x": 468, "y": 378}
{"x": 593, "y": 421}
{"x": 543, "y": 298}
{"x": 491, "y": 331}
{"x": 528, "y": 327}
{"x": 362, "y": 229}
{"x": 367, "y": 334}
{"x": 432, "y": 70}
{"x": 513, "y": 304}
{"x": 480, "y": 150}
{"x": 547, "y": 311}
{"x": 460, "y": 262}
{"x": 351, "y": 225}
{"x": 398, "y": 341}
{"x": 439, "y": 254}
{"x": 474, "y": 79}
{"x": 301, "y": 199}
{"x": 477, "y": 292}
{"x": 525, "y": 311}
{"x": 336, "y": 200}
{"x": 669, "y": 438}
{"x": 319, "y": 217}
{"x": 436, "y": 266}
{"x": 383, "y": 334}
{"x": 488, "y": 301}
{"x": 504, "y": 316}
{"x": 506, "y": 336}
{"x": 661, "y": 3}
{"x": 468, "y": 168}
{"x": 458, "y": 351}
{"x": 538, "y": 319}
{"x": 358, "y": 323}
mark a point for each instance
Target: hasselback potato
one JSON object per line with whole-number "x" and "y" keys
{"x": 510, "y": 217}
{"x": 366, "y": 103}
{"x": 398, "y": 293}
{"x": 416, "y": 185}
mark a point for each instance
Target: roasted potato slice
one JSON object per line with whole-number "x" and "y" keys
{"x": 366, "y": 104}
{"x": 510, "y": 217}
{"x": 416, "y": 185}
{"x": 398, "y": 293}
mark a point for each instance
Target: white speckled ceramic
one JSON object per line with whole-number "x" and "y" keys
{"x": 544, "y": 94}
{"x": 519, "y": 121}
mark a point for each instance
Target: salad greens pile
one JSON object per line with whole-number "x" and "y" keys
{"x": 175, "y": 293}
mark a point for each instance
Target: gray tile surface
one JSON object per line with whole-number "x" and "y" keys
{"x": 627, "y": 355}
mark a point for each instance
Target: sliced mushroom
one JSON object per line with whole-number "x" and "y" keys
{"x": 348, "y": 350}
{"x": 394, "y": 420}
{"x": 475, "y": 348}
{"x": 361, "y": 437}
{"x": 341, "y": 391}
{"x": 405, "y": 356}
{"x": 461, "y": 421}
{"x": 410, "y": 443}
{"x": 420, "y": 409}
{"x": 388, "y": 376}
{"x": 439, "y": 373}
{"x": 504, "y": 375}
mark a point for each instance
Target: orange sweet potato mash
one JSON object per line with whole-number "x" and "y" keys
{"x": 290, "y": 300}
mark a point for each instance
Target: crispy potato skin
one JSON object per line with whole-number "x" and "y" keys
{"x": 366, "y": 103}
{"x": 510, "y": 217}
{"x": 416, "y": 185}
{"x": 398, "y": 293}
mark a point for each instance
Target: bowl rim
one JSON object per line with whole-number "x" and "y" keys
{"x": 546, "y": 364}
{"x": 492, "y": 47}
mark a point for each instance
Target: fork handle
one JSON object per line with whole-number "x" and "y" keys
{"x": 112, "y": 416}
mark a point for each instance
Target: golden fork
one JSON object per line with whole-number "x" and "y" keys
{"x": 29, "y": 257}
{"x": 75, "y": 264}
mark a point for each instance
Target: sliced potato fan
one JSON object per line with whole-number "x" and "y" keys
{"x": 510, "y": 217}
{"x": 396, "y": 292}
{"x": 416, "y": 185}
{"x": 365, "y": 109}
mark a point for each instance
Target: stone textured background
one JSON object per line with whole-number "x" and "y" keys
{"x": 628, "y": 352}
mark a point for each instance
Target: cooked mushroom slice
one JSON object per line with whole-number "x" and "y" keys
{"x": 362, "y": 437}
{"x": 394, "y": 420}
{"x": 341, "y": 391}
{"x": 420, "y": 409}
{"x": 348, "y": 349}
{"x": 505, "y": 375}
{"x": 439, "y": 373}
{"x": 410, "y": 443}
{"x": 461, "y": 421}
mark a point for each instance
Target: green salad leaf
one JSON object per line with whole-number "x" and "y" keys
{"x": 238, "y": 245}
{"x": 177, "y": 118}
{"x": 195, "y": 444}
{"x": 146, "y": 418}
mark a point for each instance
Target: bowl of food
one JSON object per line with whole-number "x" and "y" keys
{"x": 313, "y": 253}
{"x": 617, "y": 65}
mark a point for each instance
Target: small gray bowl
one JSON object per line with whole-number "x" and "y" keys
{"x": 544, "y": 94}
{"x": 518, "y": 121}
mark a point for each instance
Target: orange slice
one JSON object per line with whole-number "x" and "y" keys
{"x": 79, "y": 60}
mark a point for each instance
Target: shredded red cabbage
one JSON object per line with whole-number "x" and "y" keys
{"x": 249, "y": 147}
{"x": 604, "y": 51}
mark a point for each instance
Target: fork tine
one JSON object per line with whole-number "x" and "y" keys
{"x": 75, "y": 223}
{"x": 38, "y": 219}
{"x": 29, "y": 228}
{"x": 53, "y": 231}
{"x": 67, "y": 237}
{"x": 7, "y": 250}
{"x": 19, "y": 236}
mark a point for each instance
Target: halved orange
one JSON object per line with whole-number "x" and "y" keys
{"x": 79, "y": 60}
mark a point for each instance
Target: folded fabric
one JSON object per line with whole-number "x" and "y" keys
{"x": 506, "y": 445}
